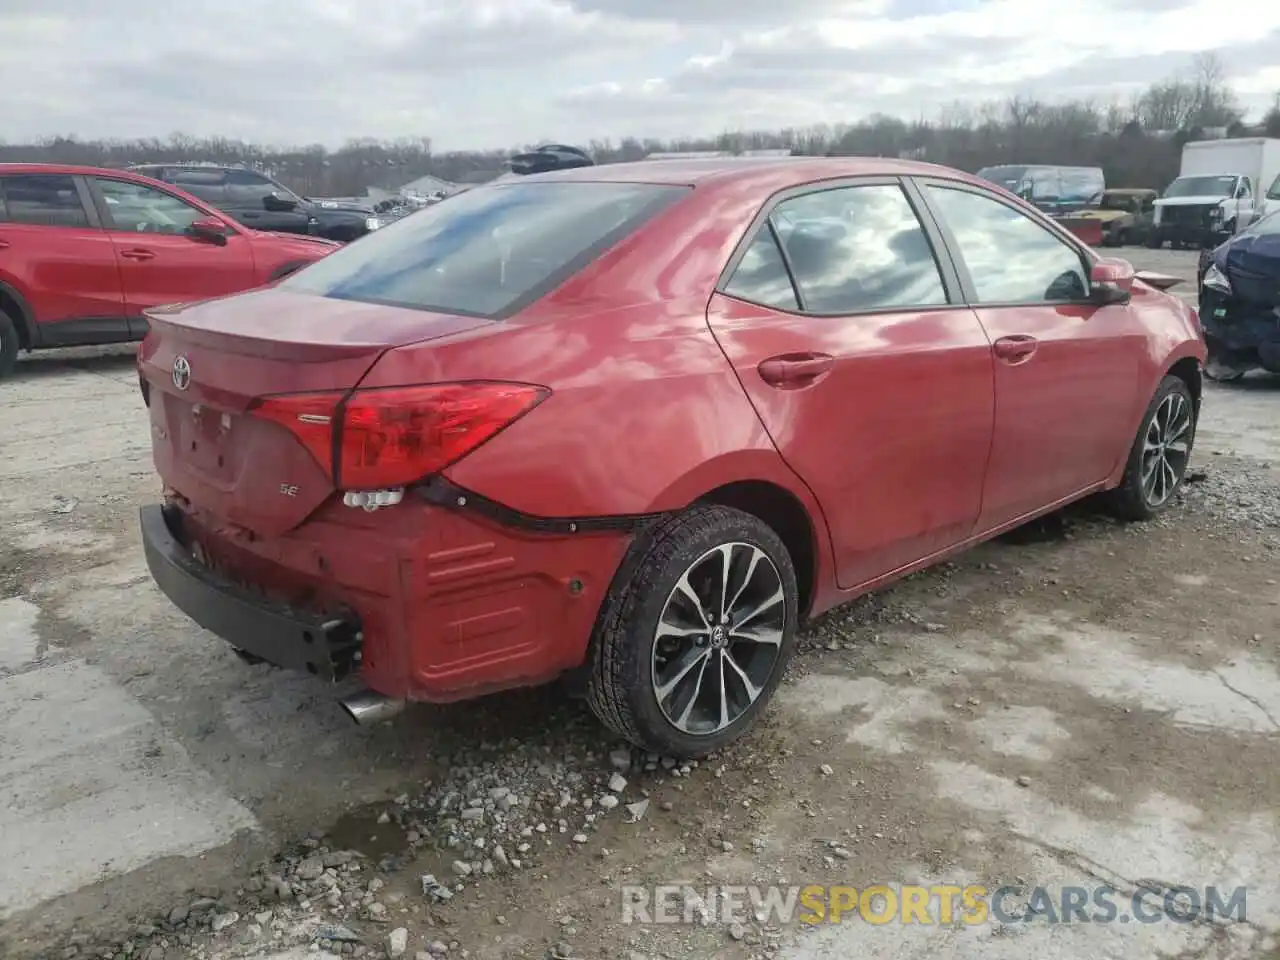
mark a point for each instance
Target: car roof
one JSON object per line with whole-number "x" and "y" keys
{"x": 774, "y": 172}
{"x": 191, "y": 166}
{"x": 71, "y": 169}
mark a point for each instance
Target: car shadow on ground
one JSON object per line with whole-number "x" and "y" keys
{"x": 1258, "y": 381}
{"x": 106, "y": 360}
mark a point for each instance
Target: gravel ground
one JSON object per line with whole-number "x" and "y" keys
{"x": 1081, "y": 699}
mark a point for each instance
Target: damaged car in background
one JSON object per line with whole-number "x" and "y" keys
{"x": 260, "y": 202}
{"x": 1240, "y": 302}
{"x": 1125, "y": 216}
{"x": 1201, "y": 211}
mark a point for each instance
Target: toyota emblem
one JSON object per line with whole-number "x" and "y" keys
{"x": 181, "y": 372}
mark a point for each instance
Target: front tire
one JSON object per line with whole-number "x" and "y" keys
{"x": 695, "y": 637}
{"x": 8, "y": 344}
{"x": 1219, "y": 366}
{"x": 1161, "y": 451}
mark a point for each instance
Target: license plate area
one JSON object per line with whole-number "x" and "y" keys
{"x": 203, "y": 437}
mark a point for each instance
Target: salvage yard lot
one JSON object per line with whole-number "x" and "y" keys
{"x": 1082, "y": 703}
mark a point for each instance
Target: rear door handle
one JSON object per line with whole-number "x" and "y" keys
{"x": 795, "y": 369}
{"x": 1017, "y": 348}
{"x": 137, "y": 254}
{"x": 4, "y": 244}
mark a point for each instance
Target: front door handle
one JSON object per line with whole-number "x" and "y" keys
{"x": 795, "y": 369}
{"x": 1018, "y": 348}
{"x": 137, "y": 254}
{"x": 4, "y": 244}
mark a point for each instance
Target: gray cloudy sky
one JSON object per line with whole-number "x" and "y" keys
{"x": 494, "y": 73}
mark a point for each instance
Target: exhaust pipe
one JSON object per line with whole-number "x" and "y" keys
{"x": 367, "y": 707}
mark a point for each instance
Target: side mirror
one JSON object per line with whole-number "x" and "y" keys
{"x": 1111, "y": 281}
{"x": 277, "y": 204}
{"x": 209, "y": 230}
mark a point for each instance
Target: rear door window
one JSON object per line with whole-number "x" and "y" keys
{"x": 247, "y": 188}
{"x": 42, "y": 200}
{"x": 761, "y": 276}
{"x": 487, "y": 252}
{"x": 209, "y": 185}
{"x": 860, "y": 248}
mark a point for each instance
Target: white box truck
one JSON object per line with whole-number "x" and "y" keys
{"x": 1223, "y": 186}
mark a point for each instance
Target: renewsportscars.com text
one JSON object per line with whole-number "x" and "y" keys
{"x": 942, "y": 904}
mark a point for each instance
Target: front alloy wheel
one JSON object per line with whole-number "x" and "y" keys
{"x": 696, "y": 632}
{"x": 1166, "y": 449}
{"x": 1160, "y": 453}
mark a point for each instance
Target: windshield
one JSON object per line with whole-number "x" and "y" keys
{"x": 1049, "y": 183}
{"x": 486, "y": 252}
{"x": 1274, "y": 192}
{"x": 1222, "y": 186}
{"x": 1117, "y": 201}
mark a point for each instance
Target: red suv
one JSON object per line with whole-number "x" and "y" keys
{"x": 644, "y": 419}
{"x": 84, "y": 251}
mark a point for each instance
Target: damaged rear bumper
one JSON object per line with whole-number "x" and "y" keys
{"x": 324, "y": 646}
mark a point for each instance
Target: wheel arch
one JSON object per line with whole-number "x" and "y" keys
{"x": 1187, "y": 364}
{"x": 16, "y": 306}
{"x": 1190, "y": 371}
{"x": 780, "y": 510}
{"x": 759, "y": 482}
{"x": 773, "y": 495}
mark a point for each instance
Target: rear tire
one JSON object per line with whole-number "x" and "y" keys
{"x": 9, "y": 344}
{"x": 684, "y": 679}
{"x": 1160, "y": 453}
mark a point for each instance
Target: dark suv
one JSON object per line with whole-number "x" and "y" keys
{"x": 261, "y": 203}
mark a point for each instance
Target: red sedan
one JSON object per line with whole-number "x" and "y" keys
{"x": 642, "y": 420}
{"x": 84, "y": 251}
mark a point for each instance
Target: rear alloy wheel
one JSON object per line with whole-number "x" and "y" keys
{"x": 1161, "y": 452}
{"x": 694, "y": 642}
{"x": 8, "y": 344}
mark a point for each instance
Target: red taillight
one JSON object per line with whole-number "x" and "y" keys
{"x": 308, "y": 416}
{"x": 392, "y": 436}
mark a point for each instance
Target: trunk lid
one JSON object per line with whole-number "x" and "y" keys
{"x": 204, "y": 364}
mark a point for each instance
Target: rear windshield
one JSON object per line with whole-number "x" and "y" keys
{"x": 487, "y": 252}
